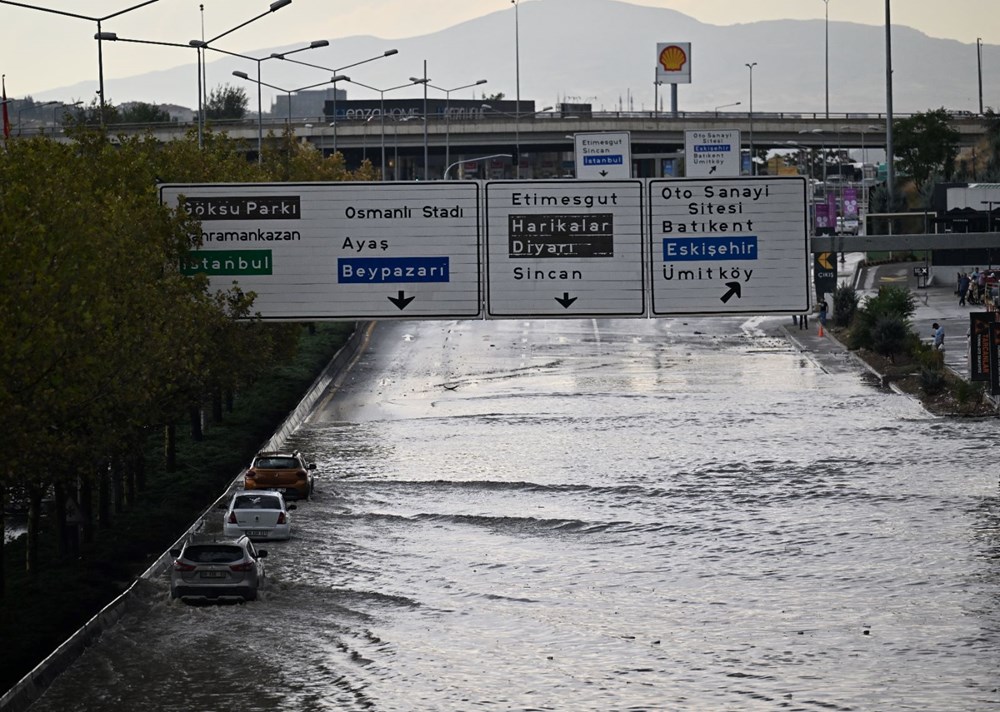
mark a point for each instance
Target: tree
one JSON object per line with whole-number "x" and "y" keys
{"x": 926, "y": 144}
{"x": 143, "y": 113}
{"x": 226, "y": 102}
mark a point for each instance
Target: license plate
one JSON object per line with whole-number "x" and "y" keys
{"x": 213, "y": 574}
{"x": 257, "y": 532}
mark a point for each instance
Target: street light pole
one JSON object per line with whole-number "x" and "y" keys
{"x": 447, "y": 115}
{"x": 726, "y": 106}
{"x": 382, "y": 93}
{"x": 826, "y": 3}
{"x": 337, "y": 70}
{"x": 753, "y": 168}
{"x": 890, "y": 167}
{"x": 979, "y": 66}
{"x": 517, "y": 84}
{"x": 98, "y": 20}
{"x": 315, "y": 44}
{"x": 473, "y": 160}
{"x": 205, "y": 44}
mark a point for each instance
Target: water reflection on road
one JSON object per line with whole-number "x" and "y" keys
{"x": 577, "y": 515}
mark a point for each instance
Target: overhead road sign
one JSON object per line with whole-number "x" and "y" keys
{"x": 340, "y": 251}
{"x": 603, "y": 155}
{"x": 711, "y": 153}
{"x": 564, "y": 249}
{"x": 728, "y": 246}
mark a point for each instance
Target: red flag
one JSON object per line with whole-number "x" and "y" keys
{"x": 6, "y": 116}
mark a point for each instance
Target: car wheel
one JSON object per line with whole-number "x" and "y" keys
{"x": 250, "y": 596}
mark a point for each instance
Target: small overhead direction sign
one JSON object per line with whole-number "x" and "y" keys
{"x": 603, "y": 155}
{"x": 712, "y": 153}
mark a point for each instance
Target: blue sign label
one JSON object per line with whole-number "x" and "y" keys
{"x": 613, "y": 160}
{"x": 712, "y": 148}
{"x": 696, "y": 249}
{"x": 386, "y": 270}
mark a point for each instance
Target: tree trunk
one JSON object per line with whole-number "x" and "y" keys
{"x": 216, "y": 405}
{"x": 87, "y": 509}
{"x": 3, "y": 533}
{"x": 197, "y": 432}
{"x": 118, "y": 483}
{"x": 170, "y": 447}
{"x": 104, "y": 497}
{"x": 34, "y": 524}
{"x": 62, "y": 534}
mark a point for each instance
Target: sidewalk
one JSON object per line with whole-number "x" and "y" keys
{"x": 936, "y": 302}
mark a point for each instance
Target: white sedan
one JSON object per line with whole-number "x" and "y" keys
{"x": 258, "y": 515}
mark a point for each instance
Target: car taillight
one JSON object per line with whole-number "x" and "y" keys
{"x": 181, "y": 566}
{"x": 232, "y": 517}
{"x": 242, "y": 568}
{"x": 281, "y": 517}
{"x": 251, "y": 474}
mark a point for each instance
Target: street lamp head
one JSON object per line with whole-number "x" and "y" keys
{"x": 317, "y": 43}
{"x": 278, "y": 4}
{"x": 241, "y": 75}
{"x": 390, "y": 52}
{"x": 201, "y": 44}
{"x": 340, "y": 78}
{"x": 106, "y": 36}
{"x": 481, "y": 81}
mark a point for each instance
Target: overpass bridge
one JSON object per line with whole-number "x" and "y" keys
{"x": 545, "y": 139}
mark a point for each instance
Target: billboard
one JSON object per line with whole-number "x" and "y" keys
{"x": 673, "y": 62}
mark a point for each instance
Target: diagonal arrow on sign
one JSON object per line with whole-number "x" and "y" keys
{"x": 823, "y": 260}
{"x": 734, "y": 290}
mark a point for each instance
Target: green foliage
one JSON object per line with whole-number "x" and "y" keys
{"x": 226, "y": 102}
{"x": 891, "y": 302}
{"x": 142, "y": 113}
{"x": 932, "y": 380}
{"x": 926, "y": 144}
{"x": 845, "y": 305}
{"x": 967, "y": 392}
{"x": 888, "y": 335}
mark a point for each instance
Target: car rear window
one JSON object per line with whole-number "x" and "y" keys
{"x": 213, "y": 553}
{"x": 276, "y": 463}
{"x": 256, "y": 501}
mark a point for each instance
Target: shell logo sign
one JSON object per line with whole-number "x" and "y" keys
{"x": 673, "y": 62}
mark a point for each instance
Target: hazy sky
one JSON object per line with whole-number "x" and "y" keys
{"x": 41, "y": 50}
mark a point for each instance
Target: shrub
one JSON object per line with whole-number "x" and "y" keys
{"x": 889, "y": 335}
{"x": 845, "y": 305}
{"x": 891, "y": 302}
{"x": 932, "y": 380}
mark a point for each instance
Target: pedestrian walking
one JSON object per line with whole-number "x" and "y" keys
{"x": 963, "y": 288}
{"x": 938, "y": 336}
{"x": 822, "y": 312}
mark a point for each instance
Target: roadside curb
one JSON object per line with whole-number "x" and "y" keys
{"x": 29, "y": 688}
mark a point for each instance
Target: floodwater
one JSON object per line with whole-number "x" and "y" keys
{"x": 677, "y": 514}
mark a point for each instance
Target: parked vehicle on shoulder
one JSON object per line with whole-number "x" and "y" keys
{"x": 258, "y": 515}
{"x": 215, "y": 569}
{"x": 286, "y": 472}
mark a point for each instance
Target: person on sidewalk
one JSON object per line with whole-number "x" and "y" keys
{"x": 938, "y": 336}
{"x": 822, "y": 312}
{"x": 963, "y": 288}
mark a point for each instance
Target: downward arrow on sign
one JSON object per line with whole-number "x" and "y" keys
{"x": 401, "y": 301}
{"x": 566, "y": 300}
{"x": 603, "y": 173}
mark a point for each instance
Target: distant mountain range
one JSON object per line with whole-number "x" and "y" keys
{"x": 603, "y": 52}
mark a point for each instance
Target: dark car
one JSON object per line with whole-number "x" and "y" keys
{"x": 217, "y": 569}
{"x": 286, "y": 472}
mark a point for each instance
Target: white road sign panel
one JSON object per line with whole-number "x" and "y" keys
{"x": 603, "y": 155}
{"x": 714, "y": 153}
{"x": 341, "y": 250}
{"x": 564, "y": 249}
{"x": 728, "y": 246}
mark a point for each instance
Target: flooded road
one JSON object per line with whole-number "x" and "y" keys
{"x": 679, "y": 514}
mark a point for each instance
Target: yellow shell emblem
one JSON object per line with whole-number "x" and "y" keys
{"x": 673, "y": 58}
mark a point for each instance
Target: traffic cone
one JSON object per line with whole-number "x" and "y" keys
{"x": 821, "y": 330}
